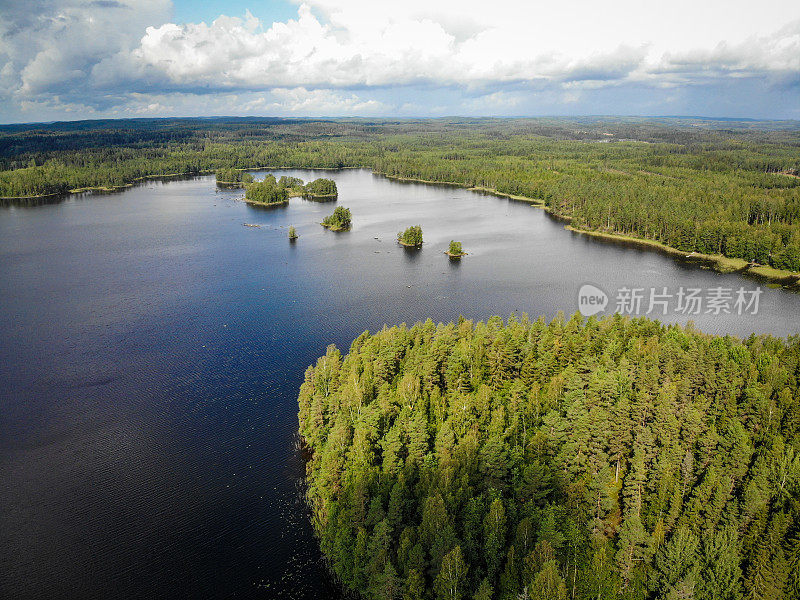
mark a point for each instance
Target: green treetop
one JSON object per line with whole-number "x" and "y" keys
{"x": 233, "y": 176}
{"x": 411, "y": 236}
{"x": 339, "y": 220}
{"x": 266, "y": 192}
{"x": 480, "y": 460}
{"x": 455, "y": 249}
{"x": 290, "y": 182}
{"x": 321, "y": 188}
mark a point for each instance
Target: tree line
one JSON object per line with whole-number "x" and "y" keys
{"x": 708, "y": 187}
{"x": 596, "y": 459}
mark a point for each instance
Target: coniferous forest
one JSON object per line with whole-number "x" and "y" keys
{"x": 234, "y": 177}
{"x": 593, "y": 459}
{"x": 714, "y": 187}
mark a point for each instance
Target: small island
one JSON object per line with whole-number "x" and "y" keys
{"x": 292, "y": 233}
{"x": 233, "y": 178}
{"x": 340, "y": 220}
{"x": 320, "y": 189}
{"x": 266, "y": 193}
{"x": 455, "y": 250}
{"x": 411, "y": 237}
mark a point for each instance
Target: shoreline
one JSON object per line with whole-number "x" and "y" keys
{"x": 267, "y": 204}
{"x": 487, "y": 190}
{"x": 335, "y": 227}
{"x": 720, "y": 263}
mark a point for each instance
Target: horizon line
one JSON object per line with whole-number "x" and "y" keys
{"x": 403, "y": 118}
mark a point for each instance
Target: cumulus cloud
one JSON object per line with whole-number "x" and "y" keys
{"x": 373, "y": 57}
{"x": 51, "y": 46}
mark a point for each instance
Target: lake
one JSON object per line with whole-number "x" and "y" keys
{"x": 151, "y": 348}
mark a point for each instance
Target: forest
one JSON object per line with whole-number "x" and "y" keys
{"x": 583, "y": 459}
{"x": 729, "y": 188}
{"x": 233, "y": 177}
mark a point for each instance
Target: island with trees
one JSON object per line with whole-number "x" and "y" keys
{"x": 340, "y": 220}
{"x": 726, "y": 193}
{"x": 454, "y": 250}
{"x": 291, "y": 183}
{"x": 321, "y": 189}
{"x": 576, "y": 459}
{"x": 233, "y": 178}
{"x": 266, "y": 193}
{"x": 411, "y": 237}
{"x": 292, "y": 233}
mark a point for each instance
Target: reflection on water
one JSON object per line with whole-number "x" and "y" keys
{"x": 151, "y": 347}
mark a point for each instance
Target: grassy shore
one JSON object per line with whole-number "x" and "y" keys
{"x": 494, "y": 192}
{"x": 718, "y": 262}
{"x": 267, "y": 204}
{"x": 334, "y": 227}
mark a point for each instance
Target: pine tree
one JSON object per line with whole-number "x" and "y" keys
{"x": 720, "y": 571}
{"x": 676, "y": 567}
{"x": 484, "y": 591}
{"x": 548, "y": 584}
{"x": 633, "y": 546}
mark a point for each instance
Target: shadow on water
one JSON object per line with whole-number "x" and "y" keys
{"x": 454, "y": 261}
{"x": 412, "y": 254}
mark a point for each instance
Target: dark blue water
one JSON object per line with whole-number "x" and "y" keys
{"x": 151, "y": 347}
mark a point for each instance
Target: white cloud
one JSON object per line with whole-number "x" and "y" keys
{"x": 377, "y": 44}
{"x": 50, "y": 46}
{"x": 108, "y": 54}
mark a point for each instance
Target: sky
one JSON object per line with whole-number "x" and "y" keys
{"x": 85, "y": 59}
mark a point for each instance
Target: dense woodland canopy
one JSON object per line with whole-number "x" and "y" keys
{"x": 697, "y": 185}
{"x": 606, "y": 459}
{"x": 234, "y": 176}
{"x": 321, "y": 188}
{"x": 266, "y": 191}
{"x": 290, "y": 182}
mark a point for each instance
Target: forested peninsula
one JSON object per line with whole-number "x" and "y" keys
{"x": 714, "y": 188}
{"x": 576, "y": 459}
